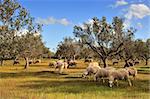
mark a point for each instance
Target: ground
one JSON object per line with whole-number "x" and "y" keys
{"x": 41, "y": 82}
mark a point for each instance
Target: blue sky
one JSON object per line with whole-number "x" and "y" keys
{"x": 59, "y": 16}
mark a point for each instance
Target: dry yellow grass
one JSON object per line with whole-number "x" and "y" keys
{"x": 40, "y": 82}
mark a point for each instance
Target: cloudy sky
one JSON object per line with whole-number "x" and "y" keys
{"x": 59, "y": 16}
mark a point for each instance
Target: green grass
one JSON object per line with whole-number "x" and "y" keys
{"x": 41, "y": 82}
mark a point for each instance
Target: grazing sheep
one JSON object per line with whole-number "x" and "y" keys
{"x": 88, "y": 60}
{"x": 30, "y": 61}
{"x": 65, "y": 65}
{"x": 94, "y": 64}
{"x": 115, "y": 61}
{"x": 52, "y": 64}
{"x": 37, "y": 61}
{"x": 71, "y": 63}
{"x": 91, "y": 69}
{"x": 132, "y": 71}
{"x": 120, "y": 74}
{"x": 136, "y": 62}
{"x": 61, "y": 65}
{"x": 16, "y": 62}
{"x": 103, "y": 73}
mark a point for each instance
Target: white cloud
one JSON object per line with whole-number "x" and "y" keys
{"x": 64, "y": 21}
{"x": 52, "y": 20}
{"x": 120, "y": 3}
{"x": 127, "y": 23}
{"x": 138, "y": 11}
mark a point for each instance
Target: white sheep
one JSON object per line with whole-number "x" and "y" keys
{"x": 132, "y": 71}
{"x": 91, "y": 69}
{"x": 119, "y": 74}
{"x": 60, "y": 65}
{"x": 103, "y": 73}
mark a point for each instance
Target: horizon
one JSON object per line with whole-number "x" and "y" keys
{"x": 58, "y": 17}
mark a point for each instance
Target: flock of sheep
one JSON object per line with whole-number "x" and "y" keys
{"x": 109, "y": 73}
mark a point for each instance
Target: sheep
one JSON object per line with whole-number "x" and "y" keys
{"x": 16, "y": 62}
{"x": 115, "y": 61}
{"x": 37, "y": 61}
{"x": 52, "y": 64}
{"x": 91, "y": 69}
{"x": 103, "y": 73}
{"x": 88, "y": 60}
{"x": 71, "y": 63}
{"x": 136, "y": 62}
{"x": 61, "y": 65}
{"x": 119, "y": 74}
{"x": 132, "y": 71}
{"x": 30, "y": 61}
{"x": 94, "y": 64}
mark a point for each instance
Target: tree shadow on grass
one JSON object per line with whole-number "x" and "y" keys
{"x": 71, "y": 83}
{"x": 72, "y": 86}
{"x": 41, "y": 74}
{"x": 78, "y": 85}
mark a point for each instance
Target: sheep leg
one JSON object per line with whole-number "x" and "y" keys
{"x": 103, "y": 80}
{"x": 129, "y": 81}
{"x": 95, "y": 78}
{"x": 111, "y": 80}
{"x": 110, "y": 83}
{"x": 116, "y": 82}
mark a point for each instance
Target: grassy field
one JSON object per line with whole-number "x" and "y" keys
{"x": 41, "y": 82}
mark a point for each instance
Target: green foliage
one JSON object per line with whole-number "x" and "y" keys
{"x": 14, "y": 42}
{"x": 68, "y": 48}
{"x": 104, "y": 38}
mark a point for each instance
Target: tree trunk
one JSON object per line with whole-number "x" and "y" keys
{"x": 27, "y": 63}
{"x": 146, "y": 62}
{"x": 126, "y": 64}
{"x": 74, "y": 57}
{"x": 105, "y": 62}
{"x": 1, "y": 62}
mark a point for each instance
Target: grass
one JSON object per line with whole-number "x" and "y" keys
{"x": 41, "y": 82}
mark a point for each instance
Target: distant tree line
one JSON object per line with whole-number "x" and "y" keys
{"x": 103, "y": 40}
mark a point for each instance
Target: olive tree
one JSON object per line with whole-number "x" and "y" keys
{"x": 68, "y": 48}
{"x": 14, "y": 19}
{"x": 102, "y": 37}
{"x": 143, "y": 49}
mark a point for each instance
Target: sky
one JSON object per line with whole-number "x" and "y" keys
{"x": 59, "y": 16}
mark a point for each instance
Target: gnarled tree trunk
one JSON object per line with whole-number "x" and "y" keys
{"x": 105, "y": 62}
{"x": 1, "y": 62}
{"x": 146, "y": 61}
{"x": 27, "y": 63}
